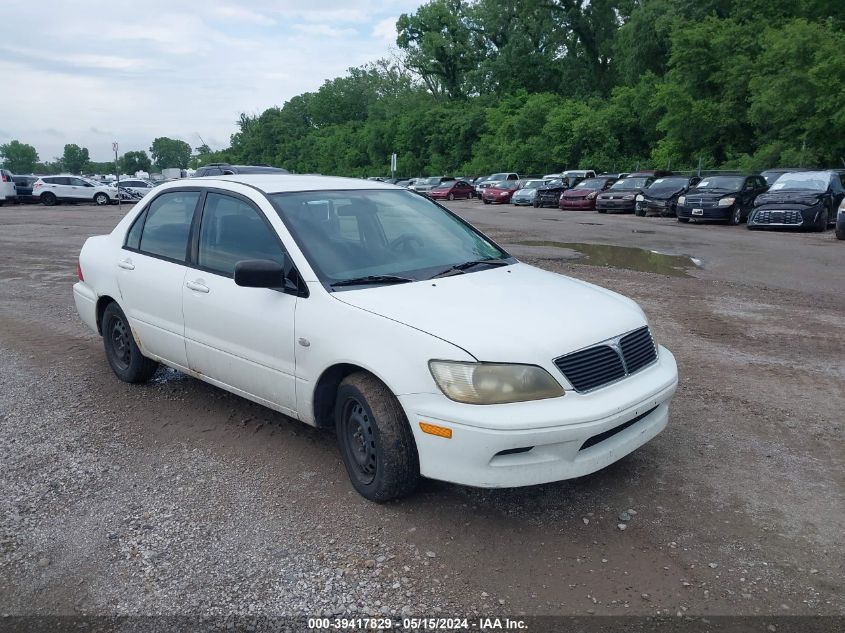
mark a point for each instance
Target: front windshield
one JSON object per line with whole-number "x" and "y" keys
{"x": 352, "y": 234}
{"x": 591, "y": 183}
{"x": 533, "y": 184}
{"x": 805, "y": 181}
{"x": 726, "y": 183}
{"x": 506, "y": 184}
{"x": 430, "y": 181}
{"x": 499, "y": 177}
{"x": 630, "y": 183}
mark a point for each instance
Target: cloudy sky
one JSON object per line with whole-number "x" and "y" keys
{"x": 92, "y": 72}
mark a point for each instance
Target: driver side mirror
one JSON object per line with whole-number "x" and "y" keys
{"x": 260, "y": 273}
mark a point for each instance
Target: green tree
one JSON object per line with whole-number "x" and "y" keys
{"x": 167, "y": 152}
{"x": 74, "y": 158}
{"x": 18, "y": 157}
{"x": 134, "y": 161}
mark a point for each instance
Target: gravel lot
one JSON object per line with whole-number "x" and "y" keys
{"x": 177, "y": 498}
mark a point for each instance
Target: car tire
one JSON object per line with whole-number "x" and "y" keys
{"x": 375, "y": 439}
{"x": 639, "y": 213}
{"x": 735, "y": 218}
{"x": 486, "y": 201}
{"x": 602, "y": 210}
{"x": 101, "y": 199}
{"x": 840, "y": 234}
{"x": 683, "y": 220}
{"x": 450, "y": 197}
{"x": 48, "y": 199}
{"x": 122, "y": 352}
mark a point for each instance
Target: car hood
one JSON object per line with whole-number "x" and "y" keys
{"x": 664, "y": 193}
{"x": 578, "y": 193}
{"x": 619, "y": 192}
{"x": 515, "y": 313}
{"x": 522, "y": 193}
{"x": 789, "y": 197}
{"x": 710, "y": 194}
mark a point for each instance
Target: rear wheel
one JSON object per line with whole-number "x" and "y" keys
{"x": 375, "y": 440}
{"x": 123, "y": 354}
{"x": 101, "y": 199}
{"x": 48, "y": 199}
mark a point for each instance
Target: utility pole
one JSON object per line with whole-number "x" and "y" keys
{"x": 116, "y": 171}
{"x": 393, "y": 165}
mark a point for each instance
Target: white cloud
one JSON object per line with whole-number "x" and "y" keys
{"x": 386, "y": 30}
{"x": 179, "y": 72}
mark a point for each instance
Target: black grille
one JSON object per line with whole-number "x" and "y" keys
{"x": 596, "y": 366}
{"x": 591, "y": 368}
{"x": 601, "y": 437}
{"x": 637, "y": 349}
{"x": 778, "y": 217}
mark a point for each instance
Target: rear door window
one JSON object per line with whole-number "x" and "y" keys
{"x": 167, "y": 225}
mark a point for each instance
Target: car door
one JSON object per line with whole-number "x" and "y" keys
{"x": 151, "y": 274}
{"x": 240, "y": 337}
{"x": 78, "y": 189}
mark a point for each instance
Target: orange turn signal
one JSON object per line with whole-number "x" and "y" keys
{"x": 433, "y": 429}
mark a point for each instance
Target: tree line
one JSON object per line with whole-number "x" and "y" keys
{"x": 22, "y": 158}
{"x": 541, "y": 85}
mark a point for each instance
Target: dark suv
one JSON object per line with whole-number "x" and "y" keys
{"x": 225, "y": 169}
{"x": 23, "y": 187}
{"x": 804, "y": 199}
{"x": 728, "y": 197}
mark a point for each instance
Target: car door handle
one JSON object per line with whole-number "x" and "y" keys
{"x": 195, "y": 285}
{"x": 126, "y": 264}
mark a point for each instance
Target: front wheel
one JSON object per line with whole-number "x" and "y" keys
{"x": 736, "y": 216}
{"x": 375, "y": 440}
{"x": 101, "y": 199}
{"x": 683, "y": 220}
{"x": 602, "y": 210}
{"x": 840, "y": 233}
{"x": 123, "y": 354}
{"x": 821, "y": 222}
{"x": 450, "y": 197}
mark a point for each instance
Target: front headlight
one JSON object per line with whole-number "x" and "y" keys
{"x": 726, "y": 202}
{"x": 682, "y": 199}
{"x": 640, "y": 197}
{"x": 489, "y": 383}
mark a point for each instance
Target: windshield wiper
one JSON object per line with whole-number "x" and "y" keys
{"x": 372, "y": 280}
{"x": 458, "y": 269}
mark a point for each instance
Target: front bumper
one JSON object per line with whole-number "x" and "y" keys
{"x": 522, "y": 201}
{"x": 702, "y": 212}
{"x": 623, "y": 206}
{"x": 784, "y": 215}
{"x": 577, "y": 204}
{"x": 612, "y": 422}
{"x": 655, "y": 207}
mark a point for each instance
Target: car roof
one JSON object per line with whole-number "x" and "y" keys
{"x": 282, "y": 183}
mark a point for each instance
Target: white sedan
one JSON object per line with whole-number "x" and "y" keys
{"x": 364, "y": 307}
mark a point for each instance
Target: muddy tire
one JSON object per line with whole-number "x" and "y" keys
{"x": 375, "y": 440}
{"x": 123, "y": 354}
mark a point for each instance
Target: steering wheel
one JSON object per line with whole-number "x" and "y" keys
{"x": 404, "y": 241}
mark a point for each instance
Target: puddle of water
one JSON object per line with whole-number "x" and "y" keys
{"x": 627, "y": 257}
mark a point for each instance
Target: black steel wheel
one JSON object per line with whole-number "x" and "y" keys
{"x": 122, "y": 352}
{"x": 48, "y": 199}
{"x": 375, "y": 439}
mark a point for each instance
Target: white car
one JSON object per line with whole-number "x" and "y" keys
{"x": 68, "y": 188}
{"x": 137, "y": 185}
{"x": 8, "y": 193}
{"x": 364, "y": 307}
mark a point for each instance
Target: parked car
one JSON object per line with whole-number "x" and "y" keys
{"x": 500, "y": 192}
{"x": 452, "y": 190}
{"x": 493, "y": 179}
{"x": 137, "y": 185}
{"x": 225, "y": 169}
{"x": 68, "y": 188}
{"x": 728, "y": 197}
{"x": 621, "y": 195}
{"x": 402, "y": 183}
{"x": 297, "y": 291}
{"x": 583, "y": 195}
{"x": 805, "y": 199}
{"x": 661, "y": 196}
{"x": 526, "y": 192}
{"x": 771, "y": 175}
{"x": 23, "y": 188}
{"x": 424, "y": 185}
{"x": 8, "y": 193}
{"x": 840, "y": 221}
{"x": 549, "y": 194}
